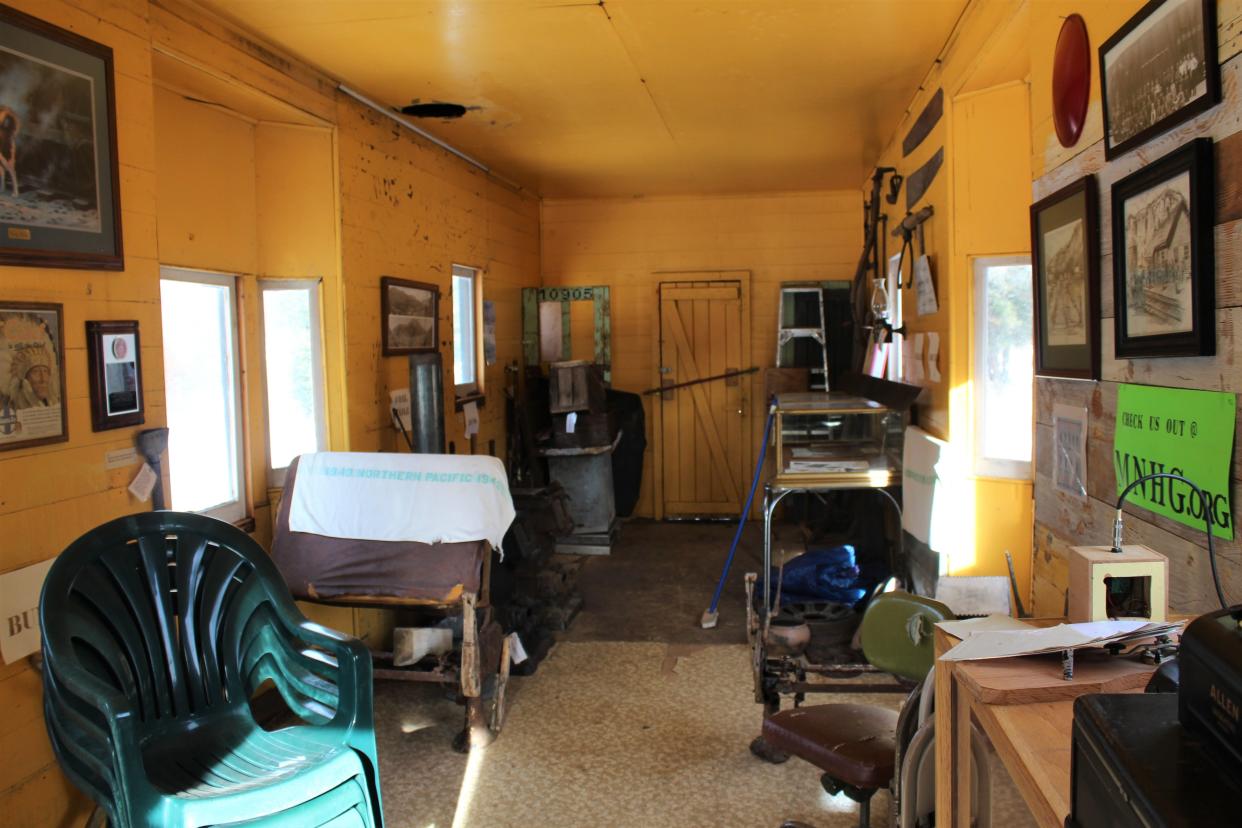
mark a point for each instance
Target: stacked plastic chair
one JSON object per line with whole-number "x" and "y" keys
{"x": 158, "y": 628}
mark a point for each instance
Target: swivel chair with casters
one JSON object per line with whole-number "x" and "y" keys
{"x": 861, "y": 748}
{"x": 158, "y": 628}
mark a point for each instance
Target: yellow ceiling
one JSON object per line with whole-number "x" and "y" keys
{"x": 630, "y": 97}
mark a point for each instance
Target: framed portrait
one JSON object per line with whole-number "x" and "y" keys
{"x": 1164, "y": 273}
{"x": 410, "y": 316}
{"x": 32, "y": 375}
{"x": 60, "y": 200}
{"x": 115, "y": 365}
{"x": 1065, "y": 257}
{"x": 1158, "y": 70}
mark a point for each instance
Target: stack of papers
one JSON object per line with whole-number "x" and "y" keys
{"x": 828, "y": 466}
{"x": 1002, "y": 637}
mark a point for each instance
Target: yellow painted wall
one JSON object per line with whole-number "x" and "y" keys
{"x": 634, "y": 244}
{"x": 981, "y": 197}
{"x": 52, "y": 494}
{"x": 259, "y": 196}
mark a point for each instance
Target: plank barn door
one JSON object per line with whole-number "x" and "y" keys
{"x": 703, "y": 436}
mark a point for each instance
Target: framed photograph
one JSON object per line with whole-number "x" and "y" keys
{"x": 1164, "y": 272}
{"x": 410, "y": 312}
{"x": 32, "y": 375}
{"x": 1158, "y": 70}
{"x": 115, "y": 366}
{"x": 1065, "y": 257}
{"x": 60, "y": 200}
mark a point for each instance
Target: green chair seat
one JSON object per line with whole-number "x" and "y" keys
{"x": 158, "y": 629}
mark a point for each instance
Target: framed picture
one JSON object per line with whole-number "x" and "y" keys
{"x": 60, "y": 200}
{"x": 410, "y": 312}
{"x": 1164, "y": 273}
{"x": 32, "y": 375}
{"x": 115, "y": 366}
{"x": 1065, "y": 254}
{"x": 1158, "y": 70}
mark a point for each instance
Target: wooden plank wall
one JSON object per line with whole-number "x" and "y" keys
{"x": 634, "y": 244}
{"x": 1063, "y": 520}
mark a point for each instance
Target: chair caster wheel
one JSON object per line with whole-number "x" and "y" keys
{"x": 766, "y": 752}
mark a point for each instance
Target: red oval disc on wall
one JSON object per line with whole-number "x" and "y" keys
{"x": 1071, "y": 80}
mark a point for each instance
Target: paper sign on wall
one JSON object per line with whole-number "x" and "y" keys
{"x": 400, "y": 402}
{"x": 916, "y": 360}
{"x": 933, "y": 357}
{"x": 1069, "y": 449}
{"x": 19, "y": 610}
{"x": 924, "y": 287}
{"x": 1182, "y": 432}
{"x": 471, "y": 412}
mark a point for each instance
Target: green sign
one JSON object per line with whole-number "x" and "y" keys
{"x": 1180, "y": 432}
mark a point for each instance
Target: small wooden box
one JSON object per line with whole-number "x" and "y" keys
{"x": 1090, "y": 568}
{"x": 576, "y": 386}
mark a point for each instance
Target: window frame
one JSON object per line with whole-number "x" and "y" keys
{"x": 470, "y": 391}
{"x": 235, "y": 511}
{"x": 984, "y": 466}
{"x": 276, "y": 476}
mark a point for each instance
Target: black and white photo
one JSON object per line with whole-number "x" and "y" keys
{"x": 1158, "y": 70}
{"x": 410, "y": 311}
{"x": 1163, "y": 276}
{"x": 1065, "y": 254}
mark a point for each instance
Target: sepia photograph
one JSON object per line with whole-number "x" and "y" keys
{"x": 1158, "y": 70}
{"x": 32, "y": 380}
{"x": 410, "y": 311}
{"x": 1163, "y": 273}
{"x": 1065, "y": 293}
{"x": 1157, "y": 251}
{"x": 59, "y": 193}
{"x": 1065, "y": 254}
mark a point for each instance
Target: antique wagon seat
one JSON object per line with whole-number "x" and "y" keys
{"x": 855, "y": 745}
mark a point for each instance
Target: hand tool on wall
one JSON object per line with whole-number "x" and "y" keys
{"x": 913, "y": 222}
{"x": 868, "y": 264}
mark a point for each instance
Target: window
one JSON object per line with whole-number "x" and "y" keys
{"x": 466, "y": 376}
{"x": 1004, "y": 373}
{"x": 293, "y": 364}
{"x": 203, "y": 392}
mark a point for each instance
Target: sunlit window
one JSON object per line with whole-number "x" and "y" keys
{"x": 465, "y": 330}
{"x": 1004, "y": 372}
{"x": 292, "y": 356}
{"x": 201, "y": 385}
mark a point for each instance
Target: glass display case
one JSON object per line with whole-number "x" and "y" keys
{"x": 835, "y": 439}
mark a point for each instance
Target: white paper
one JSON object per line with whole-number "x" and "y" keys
{"x": 924, "y": 286}
{"x": 827, "y": 466}
{"x": 989, "y": 623}
{"x": 143, "y": 483}
{"x": 471, "y": 412}
{"x": 120, "y": 458}
{"x": 400, "y": 400}
{"x": 1006, "y": 643}
{"x": 1069, "y": 449}
{"x": 19, "y": 610}
{"x": 907, "y": 360}
{"x": 933, "y": 357}
{"x": 936, "y": 480}
{"x": 571, "y": 422}
{"x": 517, "y": 653}
{"x": 916, "y": 359}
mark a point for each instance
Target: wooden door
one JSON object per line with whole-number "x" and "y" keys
{"x": 703, "y": 438}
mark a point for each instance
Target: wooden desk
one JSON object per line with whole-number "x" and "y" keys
{"x": 1031, "y": 737}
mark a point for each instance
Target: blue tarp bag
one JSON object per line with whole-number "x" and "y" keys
{"x": 824, "y": 574}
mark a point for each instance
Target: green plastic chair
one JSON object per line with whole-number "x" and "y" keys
{"x": 158, "y": 628}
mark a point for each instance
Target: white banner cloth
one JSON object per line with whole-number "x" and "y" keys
{"x": 431, "y": 498}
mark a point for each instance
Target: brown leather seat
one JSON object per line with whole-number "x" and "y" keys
{"x": 852, "y": 743}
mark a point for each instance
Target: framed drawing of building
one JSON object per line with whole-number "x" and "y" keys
{"x": 409, "y": 314}
{"x": 1065, "y": 256}
{"x": 1164, "y": 275}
